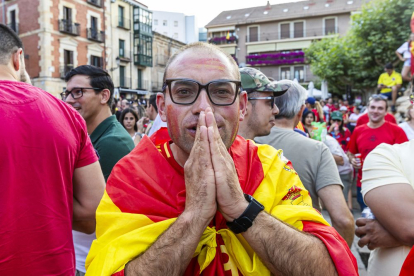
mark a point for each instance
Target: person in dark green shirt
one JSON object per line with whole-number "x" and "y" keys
{"x": 90, "y": 91}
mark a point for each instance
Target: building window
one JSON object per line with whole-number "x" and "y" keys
{"x": 156, "y": 22}
{"x": 298, "y": 29}
{"x": 121, "y": 48}
{"x": 164, "y": 22}
{"x": 285, "y": 73}
{"x": 67, "y": 61}
{"x": 122, "y": 79}
{"x": 140, "y": 79}
{"x": 121, "y": 16}
{"x": 175, "y": 23}
{"x": 253, "y": 34}
{"x": 96, "y": 61}
{"x": 284, "y": 30}
{"x": 292, "y": 30}
{"x": 299, "y": 73}
{"x": 330, "y": 26}
{"x": 13, "y": 22}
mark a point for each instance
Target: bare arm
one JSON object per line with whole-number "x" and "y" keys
{"x": 396, "y": 216}
{"x": 341, "y": 217}
{"x": 339, "y": 160}
{"x": 279, "y": 246}
{"x": 88, "y": 189}
{"x": 172, "y": 252}
{"x": 400, "y": 56}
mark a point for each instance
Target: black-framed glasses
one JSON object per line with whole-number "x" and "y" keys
{"x": 272, "y": 98}
{"x": 184, "y": 91}
{"x": 77, "y": 92}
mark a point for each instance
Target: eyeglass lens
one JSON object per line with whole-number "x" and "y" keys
{"x": 221, "y": 92}
{"x": 75, "y": 92}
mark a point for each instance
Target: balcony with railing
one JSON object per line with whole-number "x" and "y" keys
{"x": 125, "y": 82}
{"x": 293, "y": 34}
{"x": 161, "y": 60}
{"x": 14, "y": 27}
{"x": 96, "y": 3}
{"x": 142, "y": 84}
{"x": 65, "y": 69}
{"x": 144, "y": 60}
{"x": 68, "y": 27}
{"x": 95, "y": 35}
{"x": 220, "y": 40}
{"x": 296, "y": 57}
{"x": 125, "y": 56}
{"x": 124, "y": 23}
{"x": 156, "y": 86}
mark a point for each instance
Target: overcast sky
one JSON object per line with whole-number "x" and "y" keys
{"x": 206, "y": 10}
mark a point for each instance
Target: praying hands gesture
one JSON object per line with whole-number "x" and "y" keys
{"x": 210, "y": 175}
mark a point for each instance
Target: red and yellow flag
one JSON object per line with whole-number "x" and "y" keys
{"x": 146, "y": 193}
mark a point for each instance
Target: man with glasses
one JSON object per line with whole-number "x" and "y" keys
{"x": 90, "y": 92}
{"x": 261, "y": 109}
{"x": 50, "y": 178}
{"x": 311, "y": 159}
{"x": 193, "y": 203}
{"x": 367, "y": 137}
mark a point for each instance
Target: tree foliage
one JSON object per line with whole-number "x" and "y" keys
{"x": 358, "y": 57}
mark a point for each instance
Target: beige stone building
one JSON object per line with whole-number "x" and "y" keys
{"x": 58, "y": 35}
{"x": 130, "y": 48}
{"x": 273, "y": 37}
{"x": 163, "y": 48}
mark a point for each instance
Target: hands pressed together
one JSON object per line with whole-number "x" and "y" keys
{"x": 210, "y": 175}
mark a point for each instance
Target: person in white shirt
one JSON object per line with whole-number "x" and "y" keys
{"x": 403, "y": 53}
{"x": 408, "y": 126}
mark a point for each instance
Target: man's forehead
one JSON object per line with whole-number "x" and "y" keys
{"x": 79, "y": 81}
{"x": 202, "y": 59}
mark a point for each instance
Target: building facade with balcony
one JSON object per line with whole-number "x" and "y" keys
{"x": 164, "y": 47}
{"x": 273, "y": 37}
{"x": 130, "y": 48}
{"x": 58, "y": 36}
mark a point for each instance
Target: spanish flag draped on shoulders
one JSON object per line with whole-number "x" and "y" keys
{"x": 146, "y": 193}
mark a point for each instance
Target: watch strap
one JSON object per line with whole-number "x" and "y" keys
{"x": 245, "y": 221}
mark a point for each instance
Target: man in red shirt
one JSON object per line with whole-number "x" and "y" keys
{"x": 368, "y": 136}
{"x": 50, "y": 178}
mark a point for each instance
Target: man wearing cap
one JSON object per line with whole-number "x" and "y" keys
{"x": 389, "y": 82}
{"x": 261, "y": 108}
{"x": 311, "y": 159}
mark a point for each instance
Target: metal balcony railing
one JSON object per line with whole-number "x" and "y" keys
{"x": 14, "y": 27}
{"x": 142, "y": 84}
{"x": 140, "y": 59}
{"x": 156, "y": 86}
{"x": 223, "y": 40}
{"x": 68, "y": 27}
{"x": 306, "y": 33}
{"x": 95, "y": 35}
{"x": 161, "y": 60}
{"x": 124, "y": 23}
{"x": 125, "y": 82}
{"x": 96, "y": 3}
{"x": 65, "y": 69}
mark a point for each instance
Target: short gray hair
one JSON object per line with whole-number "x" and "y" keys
{"x": 291, "y": 102}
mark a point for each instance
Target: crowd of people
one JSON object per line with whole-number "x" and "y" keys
{"x": 220, "y": 173}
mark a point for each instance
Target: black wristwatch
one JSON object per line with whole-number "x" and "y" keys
{"x": 245, "y": 221}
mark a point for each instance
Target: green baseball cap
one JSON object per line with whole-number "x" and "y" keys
{"x": 253, "y": 80}
{"x": 336, "y": 115}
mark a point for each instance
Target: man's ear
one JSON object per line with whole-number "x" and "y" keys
{"x": 242, "y": 105}
{"x": 161, "y": 106}
{"x": 16, "y": 59}
{"x": 105, "y": 96}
